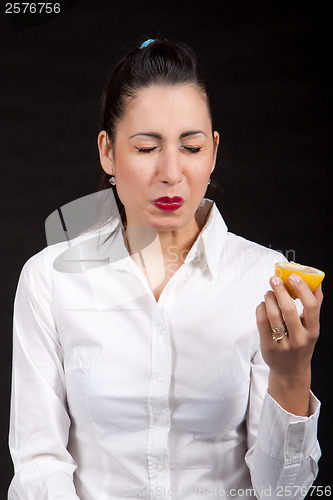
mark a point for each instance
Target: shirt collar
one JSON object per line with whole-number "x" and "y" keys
{"x": 207, "y": 248}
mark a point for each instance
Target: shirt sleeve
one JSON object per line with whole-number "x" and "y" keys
{"x": 283, "y": 448}
{"x": 39, "y": 421}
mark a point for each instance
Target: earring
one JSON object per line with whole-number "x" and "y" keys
{"x": 112, "y": 180}
{"x": 210, "y": 180}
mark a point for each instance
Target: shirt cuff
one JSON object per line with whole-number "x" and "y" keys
{"x": 287, "y": 437}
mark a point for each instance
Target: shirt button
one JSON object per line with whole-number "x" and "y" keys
{"x": 160, "y": 330}
{"x": 161, "y": 377}
{"x": 161, "y": 420}
{"x": 159, "y": 467}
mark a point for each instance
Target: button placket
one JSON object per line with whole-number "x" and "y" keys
{"x": 161, "y": 420}
{"x": 161, "y": 377}
{"x": 160, "y": 330}
{"x": 160, "y": 467}
{"x": 158, "y": 402}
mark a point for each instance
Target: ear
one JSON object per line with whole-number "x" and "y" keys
{"x": 216, "y": 145}
{"x": 105, "y": 153}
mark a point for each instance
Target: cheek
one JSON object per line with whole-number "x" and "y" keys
{"x": 132, "y": 180}
{"x": 200, "y": 174}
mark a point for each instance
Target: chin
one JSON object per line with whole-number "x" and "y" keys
{"x": 168, "y": 224}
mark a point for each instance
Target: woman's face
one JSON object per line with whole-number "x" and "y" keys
{"x": 164, "y": 147}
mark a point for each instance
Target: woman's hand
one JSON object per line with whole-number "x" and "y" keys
{"x": 289, "y": 358}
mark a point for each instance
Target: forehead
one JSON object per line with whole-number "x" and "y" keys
{"x": 167, "y": 106}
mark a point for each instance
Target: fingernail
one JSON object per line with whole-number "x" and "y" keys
{"x": 275, "y": 280}
{"x": 294, "y": 278}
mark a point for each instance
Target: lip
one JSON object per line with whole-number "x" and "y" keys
{"x": 166, "y": 199}
{"x": 168, "y": 204}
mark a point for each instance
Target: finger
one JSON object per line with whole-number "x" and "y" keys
{"x": 273, "y": 310}
{"x": 318, "y": 293}
{"x": 265, "y": 329}
{"x": 275, "y": 318}
{"x": 311, "y": 302}
{"x": 263, "y": 324}
{"x": 287, "y": 306}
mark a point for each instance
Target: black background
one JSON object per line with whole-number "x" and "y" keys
{"x": 268, "y": 63}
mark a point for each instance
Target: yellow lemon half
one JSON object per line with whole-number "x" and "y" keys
{"x": 313, "y": 277}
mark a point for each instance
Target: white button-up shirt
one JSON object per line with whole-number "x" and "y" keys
{"x": 116, "y": 395}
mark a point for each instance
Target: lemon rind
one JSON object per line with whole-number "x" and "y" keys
{"x": 293, "y": 266}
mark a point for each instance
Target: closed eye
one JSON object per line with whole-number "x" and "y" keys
{"x": 192, "y": 149}
{"x": 146, "y": 150}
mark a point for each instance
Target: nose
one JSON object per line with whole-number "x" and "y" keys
{"x": 170, "y": 166}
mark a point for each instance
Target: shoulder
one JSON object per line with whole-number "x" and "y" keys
{"x": 248, "y": 259}
{"x": 250, "y": 250}
{"x": 44, "y": 263}
{"x": 235, "y": 247}
{"x": 40, "y": 262}
{"x": 35, "y": 278}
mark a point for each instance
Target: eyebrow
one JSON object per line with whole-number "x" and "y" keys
{"x": 158, "y": 136}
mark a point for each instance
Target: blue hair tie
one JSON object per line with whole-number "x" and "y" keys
{"x": 146, "y": 43}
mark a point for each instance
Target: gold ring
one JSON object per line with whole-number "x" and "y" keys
{"x": 281, "y": 331}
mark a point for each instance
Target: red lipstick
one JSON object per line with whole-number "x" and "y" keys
{"x": 169, "y": 204}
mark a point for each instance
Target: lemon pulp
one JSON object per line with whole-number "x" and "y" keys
{"x": 312, "y": 276}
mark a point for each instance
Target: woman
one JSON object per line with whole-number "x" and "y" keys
{"x": 153, "y": 372}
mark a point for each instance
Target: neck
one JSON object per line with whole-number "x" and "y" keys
{"x": 178, "y": 243}
{"x": 173, "y": 246}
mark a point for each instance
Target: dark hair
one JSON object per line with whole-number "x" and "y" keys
{"x": 161, "y": 61}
